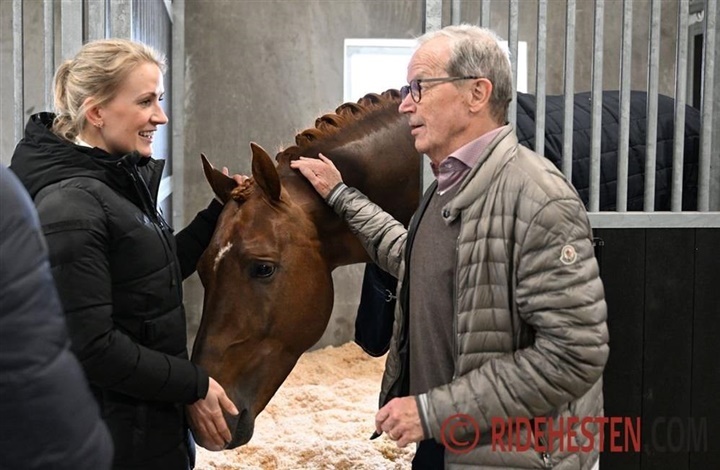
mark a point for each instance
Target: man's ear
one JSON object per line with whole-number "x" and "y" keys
{"x": 481, "y": 93}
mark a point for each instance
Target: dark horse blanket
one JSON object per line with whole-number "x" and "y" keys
{"x": 373, "y": 324}
{"x": 610, "y": 135}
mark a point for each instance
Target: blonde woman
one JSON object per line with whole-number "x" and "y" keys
{"x": 117, "y": 264}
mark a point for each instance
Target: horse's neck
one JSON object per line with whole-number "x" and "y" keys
{"x": 339, "y": 247}
{"x": 384, "y": 166}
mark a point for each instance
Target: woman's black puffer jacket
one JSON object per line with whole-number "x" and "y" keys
{"x": 119, "y": 270}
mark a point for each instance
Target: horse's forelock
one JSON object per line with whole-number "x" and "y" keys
{"x": 243, "y": 191}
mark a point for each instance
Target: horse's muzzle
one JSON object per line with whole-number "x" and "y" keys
{"x": 241, "y": 428}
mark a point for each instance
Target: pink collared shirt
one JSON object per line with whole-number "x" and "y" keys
{"x": 455, "y": 167}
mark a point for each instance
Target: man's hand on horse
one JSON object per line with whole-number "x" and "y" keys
{"x": 320, "y": 172}
{"x": 206, "y": 418}
{"x": 400, "y": 420}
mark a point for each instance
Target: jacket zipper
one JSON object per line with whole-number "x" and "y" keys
{"x": 544, "y": 455}
{"x": 148, "y": 208}
{"x": 456, "y": 346}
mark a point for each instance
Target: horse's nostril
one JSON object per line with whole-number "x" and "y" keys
{"x": 238, "y": 423}
{"x": 241, "y": 427}
{"x": 244, "y": 419}
{"x": 234, "y": 420}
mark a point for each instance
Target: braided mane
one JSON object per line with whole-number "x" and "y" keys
{"x": 329, "y": 126}
{"x": 350, "y": 121}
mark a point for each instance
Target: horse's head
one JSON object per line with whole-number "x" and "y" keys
{"x": 264, "y": 254}
{"x": 267, "y": 270}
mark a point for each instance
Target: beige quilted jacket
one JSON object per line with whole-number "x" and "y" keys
{"x": 530, "y": 332}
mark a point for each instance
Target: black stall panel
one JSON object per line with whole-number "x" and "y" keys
{"x": 664, "y": 319}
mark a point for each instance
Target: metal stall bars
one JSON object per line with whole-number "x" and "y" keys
{"x": 624, "y": 137}
{"x": 18, "y": 75}
{"x": 80, "y": 21}
{"x": 652, "y": 103}
{"x": 708, "y": 195}
{"x": 540, "y": 90}
{"x": 709, "y": 121}
{"x": 151, "y": 23}
{"x": 34, "y": 91}
{"x": 569, "y": 88}
{"x": 710, "y": 115}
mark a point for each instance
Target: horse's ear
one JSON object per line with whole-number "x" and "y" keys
{"x": 222, "y": 185}
{"x": 264, "y": 172}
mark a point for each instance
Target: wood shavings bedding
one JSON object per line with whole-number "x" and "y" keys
{"x": 320, "y": 418}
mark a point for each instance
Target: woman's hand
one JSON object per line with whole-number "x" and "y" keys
{"x": 206, "y": 418}
{"x": 222, "y": 191}
{"x": 239, "y": 179}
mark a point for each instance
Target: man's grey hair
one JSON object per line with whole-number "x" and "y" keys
{"x": 479, "y": 52}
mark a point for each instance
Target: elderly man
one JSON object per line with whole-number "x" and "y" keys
{"x": 502, "y": 311}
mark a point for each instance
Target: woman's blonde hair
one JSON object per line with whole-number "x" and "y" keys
{"x": 96, "y": 71}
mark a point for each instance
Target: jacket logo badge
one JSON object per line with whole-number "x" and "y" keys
{"x": 568, "y": 255}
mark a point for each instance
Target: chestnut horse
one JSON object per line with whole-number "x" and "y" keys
{"x": 267, "y": 270}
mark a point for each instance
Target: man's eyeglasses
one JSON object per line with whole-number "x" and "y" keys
{"x": 414, "y": 89}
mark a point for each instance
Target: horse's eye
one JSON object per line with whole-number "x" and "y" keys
{"x": 262, "y": 270}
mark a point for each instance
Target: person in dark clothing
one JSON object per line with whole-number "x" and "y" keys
{"x": 49, "y": 419}
{"x": 117, "y": 265}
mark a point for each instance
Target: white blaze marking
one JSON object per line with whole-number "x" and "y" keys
{"x": 223, "y": 251}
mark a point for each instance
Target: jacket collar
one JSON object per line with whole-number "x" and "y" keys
{"x": 42, "y": 158}
{"x": 496, "y": 155}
